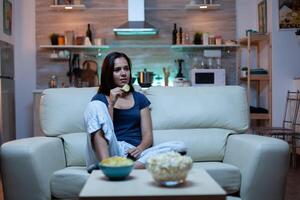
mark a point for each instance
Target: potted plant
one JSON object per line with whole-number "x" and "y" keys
{"x": 54, "y": 38}
{"x": 244, "y": 71}
{"x": 198, "y": 38}
{"x": 298, "y": 34}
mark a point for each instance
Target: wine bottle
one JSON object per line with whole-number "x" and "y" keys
{"x": 174, "y": 34}
{"x": 180, "y": 35}
{"x": 89, "y": 33}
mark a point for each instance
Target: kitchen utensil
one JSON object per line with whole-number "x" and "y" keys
{"x": 179, "y": 62}
{"x": 145, "y": 78}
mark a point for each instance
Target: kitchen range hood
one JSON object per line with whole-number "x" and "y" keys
{"x": 204, "y": 5}
{"x": 136, "y": 24}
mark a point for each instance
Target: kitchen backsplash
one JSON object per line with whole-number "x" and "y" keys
{"x": 106, "y": 15}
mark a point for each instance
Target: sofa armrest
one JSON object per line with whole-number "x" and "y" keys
{"x": 263, "y": 162}
{"x": 27, "y": 165}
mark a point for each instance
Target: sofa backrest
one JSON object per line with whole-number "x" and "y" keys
{"x": 199, "y": 107}
{"x": 196, "y": 115}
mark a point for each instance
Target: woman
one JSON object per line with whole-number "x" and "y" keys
{"x": 118, "y": 123}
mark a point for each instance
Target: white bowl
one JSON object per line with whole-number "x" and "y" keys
{"x": 169, "y": 169}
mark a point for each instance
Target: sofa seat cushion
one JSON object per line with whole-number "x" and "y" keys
{"x": 226, "y": 175}
{"x": 68, "y": 182}
{"x": 203, "y": 144}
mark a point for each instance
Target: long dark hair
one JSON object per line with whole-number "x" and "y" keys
{"x": 107, "y": 80}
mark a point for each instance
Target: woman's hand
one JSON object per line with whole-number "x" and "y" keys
{"x": 135, "y": 152}
{"x": 114, "y": 95}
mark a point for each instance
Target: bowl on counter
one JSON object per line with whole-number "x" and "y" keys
{"x": 169, "y": 169}
{"x": 116, "y": 168}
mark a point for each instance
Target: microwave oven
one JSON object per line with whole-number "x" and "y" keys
{"x": 207, "y": 77}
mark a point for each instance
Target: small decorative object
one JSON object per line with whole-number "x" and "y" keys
{"x": 80, "y": 40}
{"x": 69, "y": 37}
{"x": 68, "y": 2}
{"x": 169, "y": 169}
{"x": 218, "y": 39}
{"x": 77, "y": 2}
{"x": 61, "y": 40}
{"x": 262, "y": 16}
{"x": 166, "y": 76}
{"x": 289, "y": 12}
{"x": 53, "y": 82}
{"x": 198, "y": 38}
{"x": 54, "y": 38}
{"x": 98, "y": 41}
{"x": 7, "y": 17}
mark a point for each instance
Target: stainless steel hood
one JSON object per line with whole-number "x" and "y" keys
{"x": 136, "y": 24}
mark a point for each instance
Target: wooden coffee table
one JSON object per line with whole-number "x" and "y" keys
{"x": 140, "y": 185}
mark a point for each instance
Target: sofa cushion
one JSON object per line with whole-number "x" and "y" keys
{"x": 205, "y": 144}
{"x": 226, "y": 175}
{"x": 75, "y": 147}
{"x": 199, "y": 107}
{"x": 61, "y": 110}
{"x": 68, "y": 182}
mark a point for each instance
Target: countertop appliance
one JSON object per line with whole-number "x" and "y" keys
{"x": 7, "y": 93}
{"x": 206, "y": 77}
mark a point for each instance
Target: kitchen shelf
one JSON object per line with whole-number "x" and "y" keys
{"x": 95, "y": 47}
{"x": 139, "y": 46}
{"x": 260, "y": 116}
{"x": 256, "y": 78}
{"x": 68, "y": 7}
{"x": 255, "y": 39}
{"x": 200, "y": 46}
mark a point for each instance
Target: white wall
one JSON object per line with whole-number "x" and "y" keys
{"x": 3, "y": 36}
{"x": 286, "y": 63}
{"x": 25, "y": 65}
{"x": 246, "y": 17}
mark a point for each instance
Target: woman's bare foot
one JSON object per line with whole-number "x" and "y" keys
{"x": 139, "y": 165}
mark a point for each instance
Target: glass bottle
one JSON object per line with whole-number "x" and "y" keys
{"x": 180, "y": 36}
{"x": 89, "y": 33}
{"x": 174, "y": 34}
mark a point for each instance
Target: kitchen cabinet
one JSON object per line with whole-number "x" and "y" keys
{"x": 257, "y": 77}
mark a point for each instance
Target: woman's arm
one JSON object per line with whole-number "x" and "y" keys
{"x": 112, "y": 99}
{"x": 147, "y": 135}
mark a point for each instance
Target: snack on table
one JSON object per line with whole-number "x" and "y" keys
{"x": 169, "y": 169}
{"x": 116, "y": 161}
{"x": 126, "y": 88}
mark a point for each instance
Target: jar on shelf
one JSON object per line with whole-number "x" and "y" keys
{"x": 218, "y": 40}
{"x": 53, "y": 82}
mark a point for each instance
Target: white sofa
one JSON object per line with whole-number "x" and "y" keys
{"x": 212, "y": 121}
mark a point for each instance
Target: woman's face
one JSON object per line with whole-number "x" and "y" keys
{"x": 121, "y": 73}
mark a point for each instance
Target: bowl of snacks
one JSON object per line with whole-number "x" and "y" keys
{"x": 116, "y": 168}
{"x": 169, "y": 169}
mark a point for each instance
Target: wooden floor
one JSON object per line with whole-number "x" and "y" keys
{"x": 292, "y": 186}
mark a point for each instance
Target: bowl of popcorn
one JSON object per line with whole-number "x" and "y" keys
{"x": 169, "y": 169}
{"x": 116, "y": 168}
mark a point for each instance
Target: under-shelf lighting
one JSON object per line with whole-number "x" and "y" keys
{"x": 68, "y": 7}
{"x": 203, "y": 5}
